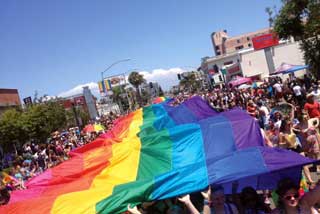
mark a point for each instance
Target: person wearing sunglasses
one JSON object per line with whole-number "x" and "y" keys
{"x": 290, "y": 202}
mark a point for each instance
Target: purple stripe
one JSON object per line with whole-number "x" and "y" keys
{"x": 276, "y": 159}
{"x": 200, "y": 108}
{"x": 246, "y": 130}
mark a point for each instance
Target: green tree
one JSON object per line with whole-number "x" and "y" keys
{"x": 300, "y": 19}
{"x": 71, "y": 120}
{"x": 190, "y": 82}
{"x": 13, "y": 131}
{"x": 161, "y": 92}
{"x": 136, "y": 80}
{"x": 146, "y": 97}
{"x": 35, "y": 122}
{"x": 42, "y": 119}
{"x": 272, "y": 14}
{"x": 119, "y": 96}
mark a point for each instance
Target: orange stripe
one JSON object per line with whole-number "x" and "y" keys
{"x": 123, "y": 168}
{"x": 69, "y": 177}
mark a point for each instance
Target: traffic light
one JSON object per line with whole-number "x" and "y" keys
{"x": 179, "y": 76}
{"x": 150, "y": 84}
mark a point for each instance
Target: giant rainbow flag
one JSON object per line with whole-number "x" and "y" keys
{"x": 158, "y": 152}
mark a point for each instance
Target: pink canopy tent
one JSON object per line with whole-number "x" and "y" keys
{"x": 239, "y": 80}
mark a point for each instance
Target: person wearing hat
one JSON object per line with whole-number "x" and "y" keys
{"x": 312, "y": 107}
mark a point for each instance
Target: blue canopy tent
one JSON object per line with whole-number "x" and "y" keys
{"x": 286, "y": 68}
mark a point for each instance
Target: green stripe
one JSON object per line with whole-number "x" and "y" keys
{"x": 156, "y": 150}
{"x": 155, "y": 159}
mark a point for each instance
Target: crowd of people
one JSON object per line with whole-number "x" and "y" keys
{"x": 287, "y": 111}
{"x": 33, "y": 159}
{"x": 248, "y": 201}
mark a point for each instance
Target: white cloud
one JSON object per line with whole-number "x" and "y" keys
{"x": 79, "y": 89}
{"x": 165, "y": 77}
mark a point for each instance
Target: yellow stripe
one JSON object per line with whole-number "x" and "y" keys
{"x": 100, "y": 86}
{"x": 123, "y": 168}
{"x": 107, "y": 84}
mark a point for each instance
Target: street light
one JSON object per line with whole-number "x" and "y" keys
{"x": 110, "y": 66}
{"x": 113, "y": 64}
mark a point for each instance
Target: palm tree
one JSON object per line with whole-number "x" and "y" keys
{"x": 190, "y": 82}
{"x": 136, "y": 80}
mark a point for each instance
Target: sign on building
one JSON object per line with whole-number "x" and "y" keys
{"x": 233, "y": 69}
{"x": 27, "y": 101}
{"x": 265, "y": 41}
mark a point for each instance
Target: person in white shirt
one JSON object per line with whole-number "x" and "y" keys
{"x": 278, "y": 89}
{"x": 297, "y": 90}
{"x": 264, "y": 114}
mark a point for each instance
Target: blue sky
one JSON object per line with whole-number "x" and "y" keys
{"x": 55, "y": 46}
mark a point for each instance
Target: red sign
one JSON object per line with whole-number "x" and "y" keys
{"x": 264, "y": 41}
{"x": 211, "y": 72}
{"x": 234, "y": 69}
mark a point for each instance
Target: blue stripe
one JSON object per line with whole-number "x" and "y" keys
{"x": 189, "y": 171}
{"x": 181, "y": 114}
{"x": 235, "y": 165}
{"x": 163, "y": 120}
{"x": 218, "y": 136}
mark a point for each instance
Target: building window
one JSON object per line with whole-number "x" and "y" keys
{"x": 228, "y": 63}
{"x": 238, "y": 40}
{"x": 239, "y": 47}
{"x": 249, "y": 45}
{"x": 217, "y": 47}
{"x": 248, "y": 38}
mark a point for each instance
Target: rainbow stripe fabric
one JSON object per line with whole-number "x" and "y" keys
{"x": 158, "y": 100}
{"x": 154, "y": 153}
{"x": 101, "y": 86}
{"x": 107, "y": 84}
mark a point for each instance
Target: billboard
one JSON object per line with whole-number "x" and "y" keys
{"x": 105, "y": 86}
{"x": 117, "y": 80}
{"x": 265, "y": 41}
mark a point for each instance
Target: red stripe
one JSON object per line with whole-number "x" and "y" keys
{"x": 73, "y": 175}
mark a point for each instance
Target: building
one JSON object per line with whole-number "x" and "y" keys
{"x": 152, "y": 88}
{"x": 223, "y": 44}
{"x": 85, "y": 101}
{"x": 257, "y": 61}
{"x": 9, "y": 98}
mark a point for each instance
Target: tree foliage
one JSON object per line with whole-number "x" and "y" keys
{"x": 190, "y": 82}
{"x": 300, "y": 19}
{"x": 120, "y": 96}
{"x": 35, "y": 122}
{"x": 161, "y": 93}
{"x": 12, "y": 128}
{"x": 136, "y": 80}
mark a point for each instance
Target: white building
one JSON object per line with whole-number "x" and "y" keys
{"x": 256, "y": 64}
